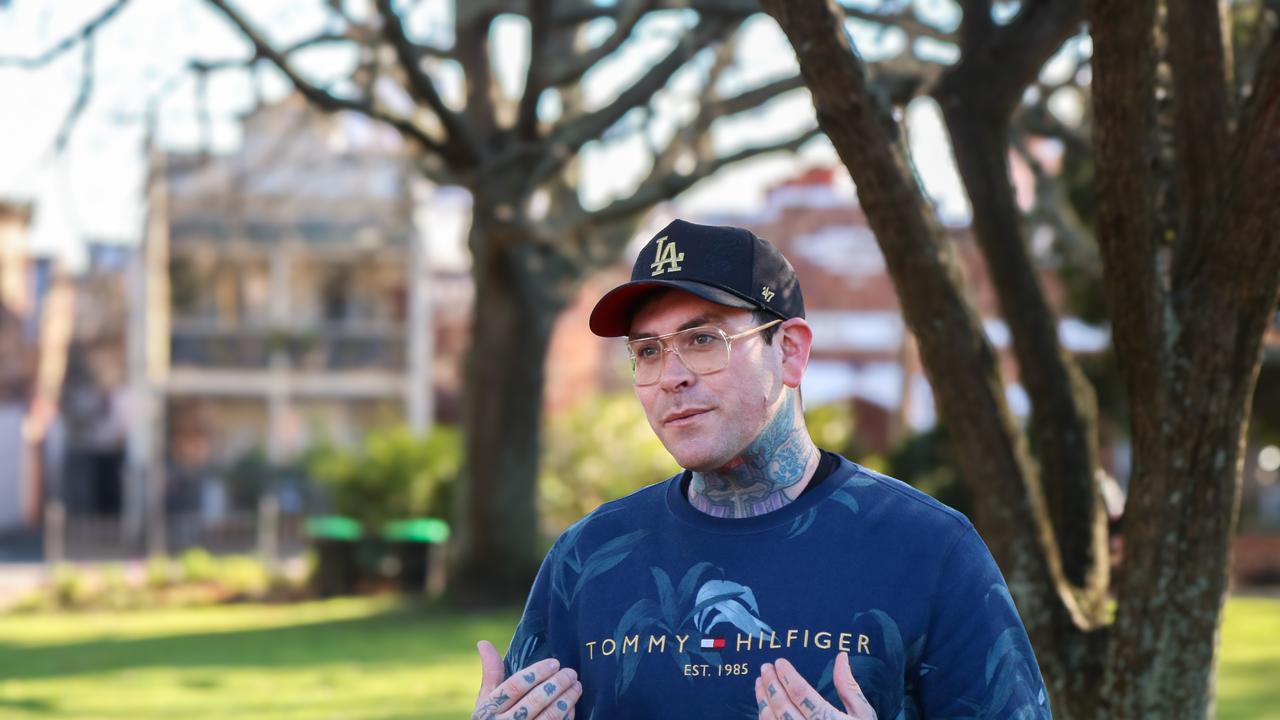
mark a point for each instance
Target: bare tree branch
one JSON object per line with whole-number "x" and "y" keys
{"x": 976, "y": 24}
{"x": 574, "y": 67}
{"x": 1197, "y": 53}
{"x": 321, "y": 97}
{"x": 567, "y": 139}
{"x": 1123, "y": 102}
{"x": 339, "y": 9}
{"x": 665, "y": 187}
{"x": 1247, "y": 246}
{"x": 543, "y": 36}
{"x": 906, "y": 19}
{"x": 471, "y": 30}
{"x": 1017, "y": 50}
{"x": 978, "y": 97}
{"x": 321, "y": 39}
{"x": 85, "y": 33}
{"x": 461, "y": 141}
{"x": 695, "y": 136}
{"x": 900, "y": 80}
{"x": 753, "y": 98}
{"x": 585, "y": 10}
{"x": 1037, "y": 119}
{"x": 693, "y": 142}
{"x": 1053, "y": 206}
{"x": 82, "y": 98}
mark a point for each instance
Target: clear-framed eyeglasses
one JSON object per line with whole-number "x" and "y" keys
{"x": 704, "y": 350}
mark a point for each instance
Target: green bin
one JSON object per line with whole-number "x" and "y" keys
{"x": 337, "y": 542}
{"x": 411, "y": 542}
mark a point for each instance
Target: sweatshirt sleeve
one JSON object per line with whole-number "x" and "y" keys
{"x": 978, "y": 661}
{"x": 543, "y": 630}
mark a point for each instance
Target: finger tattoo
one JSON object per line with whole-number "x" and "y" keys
{"x": 529, "y": 677}
{"x": 521, "y": 714}
{"x": 549, "y": 689}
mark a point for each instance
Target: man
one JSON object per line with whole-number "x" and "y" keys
{"x": 766, "y": 577}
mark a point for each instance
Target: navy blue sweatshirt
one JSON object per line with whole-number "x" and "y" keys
{"x": 666, "y": 612}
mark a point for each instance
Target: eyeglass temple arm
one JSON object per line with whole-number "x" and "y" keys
{"x": 744, "y": 333}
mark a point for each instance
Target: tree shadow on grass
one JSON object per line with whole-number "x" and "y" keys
{"x": 34, "y": 706}
{"x": 391, "y": 637}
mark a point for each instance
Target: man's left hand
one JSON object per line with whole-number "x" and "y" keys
{"x": 782, "y": 694}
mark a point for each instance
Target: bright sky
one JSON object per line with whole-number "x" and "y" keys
{"x": 93, "y": 190}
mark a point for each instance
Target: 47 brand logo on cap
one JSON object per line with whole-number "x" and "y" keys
{"x": 666, "y": 258}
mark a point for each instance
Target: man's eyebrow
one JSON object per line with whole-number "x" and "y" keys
{"x": 691, "y": 323}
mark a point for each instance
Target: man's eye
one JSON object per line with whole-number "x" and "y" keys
{"x": 703, "y": 339}
{"x": 646, "y": 352}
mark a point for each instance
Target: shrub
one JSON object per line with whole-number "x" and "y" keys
{"x": 203, "y": 579}
{"x": 395, "y": 474}
{"x": 243, "y": 577}
{"x": 198, "y": 566}
{"x": 832, "y": 427}
{"x": 71, "y": 587}
{"x": 159, "y": 572}
{"x": 116, "y": 592}
{"x": 597, "y": 451}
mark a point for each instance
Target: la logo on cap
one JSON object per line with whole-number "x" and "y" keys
{"x": 666, "y": 258}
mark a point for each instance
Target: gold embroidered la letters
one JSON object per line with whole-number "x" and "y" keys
{"x": 666, "y": 258}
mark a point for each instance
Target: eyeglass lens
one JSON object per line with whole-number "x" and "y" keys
{"x": 703, "y": 350}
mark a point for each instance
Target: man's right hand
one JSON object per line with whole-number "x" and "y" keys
{"x": 541, "y": 691}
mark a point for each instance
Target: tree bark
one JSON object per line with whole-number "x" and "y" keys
{"x": 978, "y": 97}
{"x": 498, "y": 549}
{"x": 960, "y": 363}
{"x": 1190, "y": 387}
{"x": 1189, "y": 340}
{"x": 1199, "y": 62}
{"x": 1063, "y": 408}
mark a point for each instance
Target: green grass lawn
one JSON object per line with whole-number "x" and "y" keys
{"x": 362, "y": 659}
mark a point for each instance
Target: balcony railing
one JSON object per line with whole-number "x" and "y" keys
{"x": 329, "y": 348}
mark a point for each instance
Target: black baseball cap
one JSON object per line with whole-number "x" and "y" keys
{"x": 726, "y": 265}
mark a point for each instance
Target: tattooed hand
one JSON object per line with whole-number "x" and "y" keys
{"x": 781, "y": 694}
{"x": 542, "y": 691}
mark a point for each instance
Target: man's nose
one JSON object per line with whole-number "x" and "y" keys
{"x": 674, "y": 373}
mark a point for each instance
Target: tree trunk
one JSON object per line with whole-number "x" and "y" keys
{"x": 1189, "y": 342}
{"x": 1184, "y": 503}
{"x": 959, "y": 361}
{"x": 516, "y": 305}
{"x": 1190, "y": 352}
{"x": 1063, "y": 409}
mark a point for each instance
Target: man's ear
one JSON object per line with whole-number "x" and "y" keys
{"x": 795, "y": 338}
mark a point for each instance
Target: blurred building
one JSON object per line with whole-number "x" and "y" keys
{"x": 91, "y": 430}
{"x": 17, "y": 360}
{"x": 287, "y": 301}
{"x": 36, "y": 304}
{"x": 863, "y": 352}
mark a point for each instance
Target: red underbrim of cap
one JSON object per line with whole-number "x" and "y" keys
{"x": 612, "y": 315}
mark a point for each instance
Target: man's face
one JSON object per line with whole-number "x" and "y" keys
{"x": 705, "y": 421}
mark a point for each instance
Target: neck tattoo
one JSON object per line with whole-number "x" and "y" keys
{"x": 768, "y": 475}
